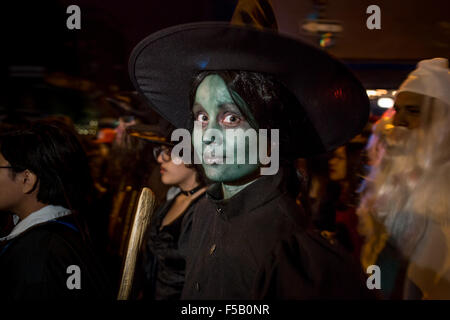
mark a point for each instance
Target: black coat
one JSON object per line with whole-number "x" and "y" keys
{"x": 34, "y": 265}
{"x": 253, "y": 246}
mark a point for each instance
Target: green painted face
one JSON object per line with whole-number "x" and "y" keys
{"x": 215, "y": 109}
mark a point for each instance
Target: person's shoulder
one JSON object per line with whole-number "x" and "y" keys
{"x": 315, "y": 262}
{"x": 200, "y": 201}
{"x": 316, "y": 243}
{"x": 45, "y": 240}
{"x": 34, "y": 240}
{"x": 40, "y": 260}
{"x": 33, "y": 253}
{"x": 201, "y": 208}
{"x": 286, "y": 211}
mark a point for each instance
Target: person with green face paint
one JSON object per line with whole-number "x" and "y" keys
{"x": 214, "y": 108}
{"x": 249, "y": 239}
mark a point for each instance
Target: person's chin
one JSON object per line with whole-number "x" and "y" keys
{"x": 227, "y": 174}
{"x": 214, "y": 172}
{"x": 165, "y": 179}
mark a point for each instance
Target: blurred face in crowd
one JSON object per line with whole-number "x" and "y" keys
{"x": 171, "y": 173}
{"x": 124, "y": 122}
{"x": 338, "y": 164}
{"x": 215, "y": 109}
{"x": 408, "y": 107}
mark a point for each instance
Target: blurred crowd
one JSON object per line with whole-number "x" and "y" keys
{"x": 383, "y": 196}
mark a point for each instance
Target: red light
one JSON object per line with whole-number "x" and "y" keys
{"x": 338, "y": 94}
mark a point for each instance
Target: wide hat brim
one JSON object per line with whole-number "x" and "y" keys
{"x": 162, "y": 68}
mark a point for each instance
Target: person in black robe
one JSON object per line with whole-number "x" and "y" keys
{"x": 44, "y": 181}
{"x": 249, "y": 239}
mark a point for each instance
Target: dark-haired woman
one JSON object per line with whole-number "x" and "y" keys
{"x": 247, "y": 237}
{"x": 165, "y": 248}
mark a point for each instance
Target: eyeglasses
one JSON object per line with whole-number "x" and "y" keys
{"x": 163, "y": 151}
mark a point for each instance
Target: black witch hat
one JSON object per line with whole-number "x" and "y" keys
{"x": 163, "y": 65}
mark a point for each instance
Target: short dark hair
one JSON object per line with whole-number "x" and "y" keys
{"x": 52, "y": 151}
{"x": 272, "y": 105}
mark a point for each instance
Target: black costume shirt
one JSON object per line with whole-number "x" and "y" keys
{"x": 254, "y": 246}
{"x": 34, "y": 265}
{"x": 165, "y": 253}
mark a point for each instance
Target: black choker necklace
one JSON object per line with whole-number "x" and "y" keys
{"x": 191, "y": 192}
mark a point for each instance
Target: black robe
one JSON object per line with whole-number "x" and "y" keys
{"x": 34, "y": 265}
{"x": 253, "y": 246}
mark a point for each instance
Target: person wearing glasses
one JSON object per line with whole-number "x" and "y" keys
{"x": 45, "y": 182}
{"x": 167, "y": 236}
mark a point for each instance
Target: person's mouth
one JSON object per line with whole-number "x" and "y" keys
{"x": 162, "y": 170}
{"x": 210, "y": 160}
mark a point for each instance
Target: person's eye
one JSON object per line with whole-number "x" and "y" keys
{"x": 231, "y": 120}
{"x": 203, "y": 118}
{"x": 413, "y": 110}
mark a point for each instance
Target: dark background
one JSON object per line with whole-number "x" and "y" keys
{"x": 46, "y": 68}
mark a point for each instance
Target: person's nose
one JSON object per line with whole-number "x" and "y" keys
{"x": 212, "y": 134}
{"x": 400, "y": 119}
{"x": 160, "y": 159}
{"x": 208, "y": 138}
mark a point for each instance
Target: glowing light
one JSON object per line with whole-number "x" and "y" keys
{"x": 326, "y": 40}
{"x": 203, "y": 63}
{"x": 338, "y": 93}
{"x": 381, "y": 92}
{"x": 371, "y": 93}
{"x": 385, "y": 103}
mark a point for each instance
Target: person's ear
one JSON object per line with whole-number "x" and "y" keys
{"x": 29, "y": 181}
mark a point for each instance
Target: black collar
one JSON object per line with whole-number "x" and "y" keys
{"x": 261, "y": 191}
{"x": 192, "y": 191}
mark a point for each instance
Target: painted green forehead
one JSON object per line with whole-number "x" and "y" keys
{"x": 213, "y": 91}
